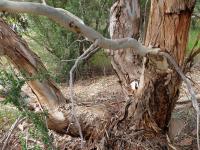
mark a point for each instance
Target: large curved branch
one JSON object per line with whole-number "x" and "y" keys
{"x": 71, "y": 22}
{"x": 25, "y": 60}
{"x": 92, "y": 119}
{"x": 60, "y": 118}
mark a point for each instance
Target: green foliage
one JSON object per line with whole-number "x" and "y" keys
{"x": 40, "y": 130}
{"x": 100, "y": 61}
{"x": 194, "y": 28}
{"x": 13, "y": 84}
{"x": 22, "y": 142}
{"x": 48, "y": 38}
{"x": 7, "y": 115}
{"x": 18, "y": 22}
{"x": 193, "y": 34}
{"x": 55, "y": 44}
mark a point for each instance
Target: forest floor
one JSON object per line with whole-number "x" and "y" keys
{"x": 107, "y": 90}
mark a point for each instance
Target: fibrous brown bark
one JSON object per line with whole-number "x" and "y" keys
{"x": 145, "y": 122}
{"x": 168, "y": 29}
{"x": 153, "y": 102}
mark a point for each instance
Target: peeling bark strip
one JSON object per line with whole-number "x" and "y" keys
{"x": 125, "y": 22}
{"x": 169, "y": 32}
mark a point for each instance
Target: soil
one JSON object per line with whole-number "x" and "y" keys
{"x": 107, "y": 89}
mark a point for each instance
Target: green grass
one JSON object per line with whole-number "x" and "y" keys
{"x": 8, "y": 115}
{"x": 193, "y": 37}
{"x": 100, "y": 59}
{"x": 193, "y": 34}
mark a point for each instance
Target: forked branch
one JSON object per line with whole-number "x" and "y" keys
{"x": 86, "y": 54}
{"x": 70, "y": 22}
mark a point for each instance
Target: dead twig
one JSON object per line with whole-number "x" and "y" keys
{"x": 42, "y": 109}
{"x": 186, "y": 100}
{"x": 16, "y": 123}
{"x": 193, "y": 53}
{"x": 92, "y": 49}
{"x": 189, "y": 87}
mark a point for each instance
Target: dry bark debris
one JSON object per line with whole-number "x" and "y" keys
{"x": 98, "y": 88}
{"x": 7, "y": 137}
{"x": 161, "y": 103}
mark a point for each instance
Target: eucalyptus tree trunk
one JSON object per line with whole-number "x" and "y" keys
{"x": 146, "y": 125}
{"x": 150, "y": 84}
{"x": 125, "y": 22}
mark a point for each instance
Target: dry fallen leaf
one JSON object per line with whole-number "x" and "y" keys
{"x": 186, "y": 141}
{"x": 175, "y": 127}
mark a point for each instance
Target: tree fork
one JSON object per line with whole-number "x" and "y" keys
{"x": 153, "y": 102}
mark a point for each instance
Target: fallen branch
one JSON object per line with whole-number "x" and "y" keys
{"x": 91, "y": 118}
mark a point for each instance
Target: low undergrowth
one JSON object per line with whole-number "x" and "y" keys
{"x": 32, "y": 131}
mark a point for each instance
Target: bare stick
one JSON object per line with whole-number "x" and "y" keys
{"x": 18, "y": 120}
{"x": 84, "y": 55}
{"x": 186, "y": 100}
{"x": 189, "y": 87}
{"x": 27, "y": 136}
{"x": 41, "y": 108}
